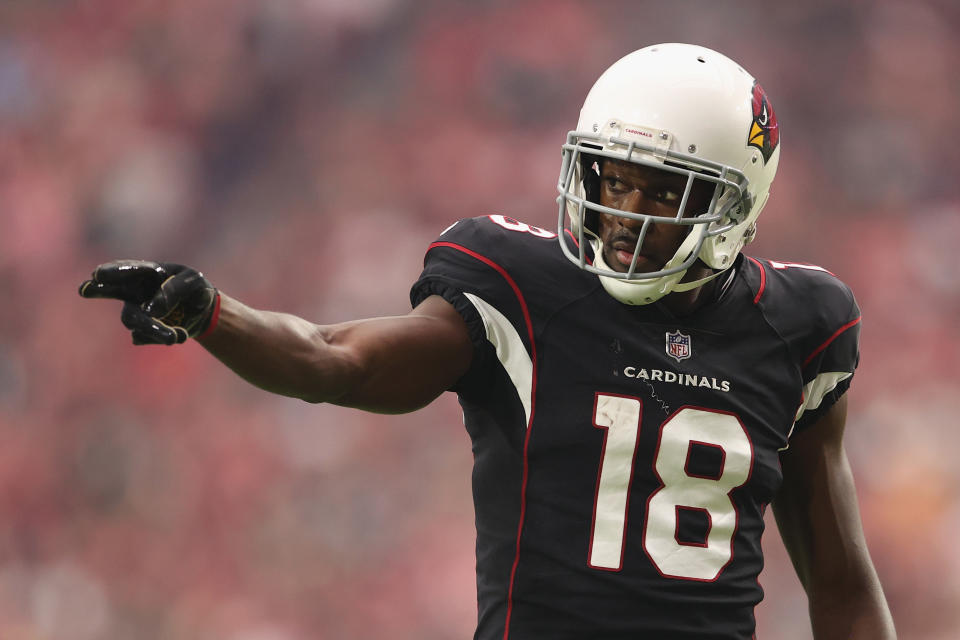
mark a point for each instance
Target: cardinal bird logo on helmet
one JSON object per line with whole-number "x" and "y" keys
{"x": 764, "y": 132}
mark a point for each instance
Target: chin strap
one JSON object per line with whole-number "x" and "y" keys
{"x": 641, "y": 292}
{"x": 693, "y": 284}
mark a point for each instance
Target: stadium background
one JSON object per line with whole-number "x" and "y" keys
{"x": 303, "y": 153}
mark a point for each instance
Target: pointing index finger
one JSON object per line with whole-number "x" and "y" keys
{"x": 130, "y": 280}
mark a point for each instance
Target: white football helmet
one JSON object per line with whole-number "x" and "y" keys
{"x": 684, "y": 109}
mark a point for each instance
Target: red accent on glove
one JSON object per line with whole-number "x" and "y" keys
{"x": 214, "y": 318}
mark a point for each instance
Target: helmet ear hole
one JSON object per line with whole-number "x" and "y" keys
{"x": 589, "y": 169}
{"x": 590, "y": 222}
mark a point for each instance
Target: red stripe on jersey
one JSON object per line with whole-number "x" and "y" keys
{"x": 763, "y": 279}
{"x": 836, "y": 334}
{"x": 533, "y": 387}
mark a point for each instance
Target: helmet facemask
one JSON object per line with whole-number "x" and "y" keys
{"x": 579, "y": 208}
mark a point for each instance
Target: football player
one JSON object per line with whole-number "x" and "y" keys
{"x": 637, "y": 390}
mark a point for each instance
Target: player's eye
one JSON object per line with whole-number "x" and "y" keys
{"x": 615, "y": 185}
{"x": 667, "y": 196}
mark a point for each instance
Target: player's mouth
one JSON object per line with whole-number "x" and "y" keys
{"x": 623, "y": 252}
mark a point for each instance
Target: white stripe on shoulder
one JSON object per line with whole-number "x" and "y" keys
{"x": 450, "y": 227}
{"x": 510, "y": 350}
{"x": 815, "y": 390}
{"x": 795, "y": 265}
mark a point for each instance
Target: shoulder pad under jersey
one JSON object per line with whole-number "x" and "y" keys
{"x": 501, "y": 259}
{"x": 816, "y": 314}
{"x": 505, "y": 269}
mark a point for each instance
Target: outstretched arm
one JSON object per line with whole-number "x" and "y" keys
{"x": 819, "y": 521}
{"x": 388, "y": 365}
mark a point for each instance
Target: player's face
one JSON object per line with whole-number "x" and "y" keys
{"x": 641, "y": 189}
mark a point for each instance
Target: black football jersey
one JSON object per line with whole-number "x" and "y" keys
{"x": 623, "y": 457}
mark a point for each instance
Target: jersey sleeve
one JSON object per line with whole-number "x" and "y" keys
{"x": 818, "y": 319}
{"x": 831, "y": 351}
{"x": 470, "y": 266}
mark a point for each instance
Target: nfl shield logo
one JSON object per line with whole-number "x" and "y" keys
{"x": 678, "y": 345}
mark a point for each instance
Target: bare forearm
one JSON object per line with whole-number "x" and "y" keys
{"x": 387, "y": 365}
{"x": 846, "y": 599}
{"x": 279, "y": 352}
{"x": 819, "y": 521}
{"x": 858, "y": 613}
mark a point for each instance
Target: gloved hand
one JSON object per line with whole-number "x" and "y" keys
{"x": 164, "y": 303}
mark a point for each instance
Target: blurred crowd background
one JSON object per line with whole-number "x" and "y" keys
{"x": 303, "y": 153}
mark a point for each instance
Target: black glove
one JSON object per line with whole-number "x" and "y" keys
{"x": 164, "y": 303}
